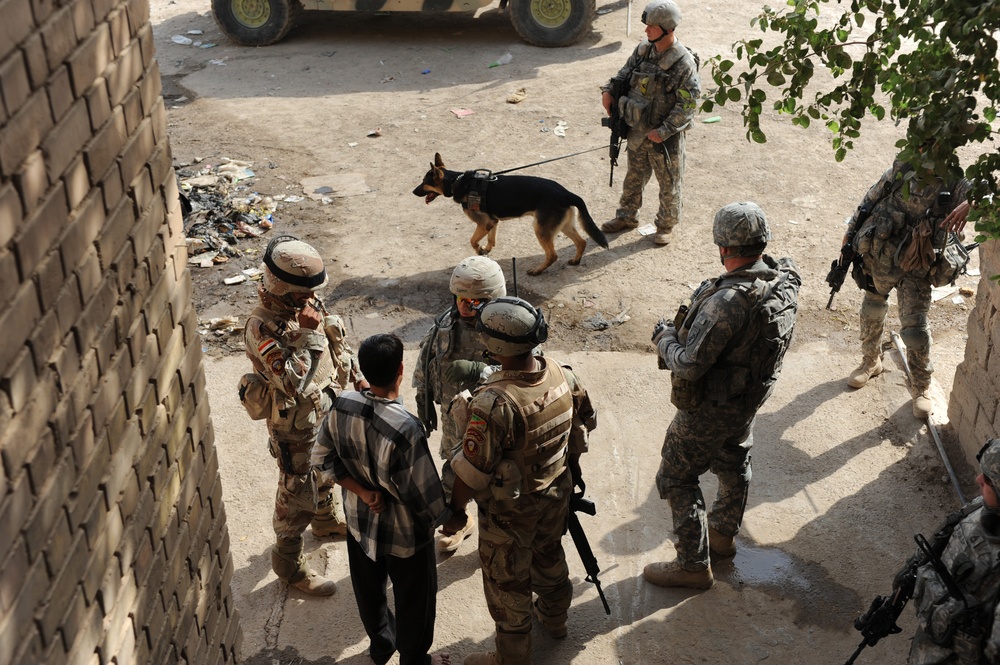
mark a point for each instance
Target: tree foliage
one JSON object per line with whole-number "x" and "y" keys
{"x": 929, "y": 63}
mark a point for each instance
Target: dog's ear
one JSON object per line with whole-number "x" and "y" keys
{"x": 438, "y": 162}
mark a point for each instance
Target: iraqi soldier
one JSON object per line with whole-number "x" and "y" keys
{"x": 881, "y": 230}
{"x": 301, "y": 360}
{"x": 528, "y": 426}
{"x": 452, "y": 359}
{"x": 663, "y": 88}
{"x": 724, "y": 352}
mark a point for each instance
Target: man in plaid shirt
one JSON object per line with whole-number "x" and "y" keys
{"x": 393, "y": 501}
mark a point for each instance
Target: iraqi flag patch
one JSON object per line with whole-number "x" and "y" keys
{"x": 266, "y": 346}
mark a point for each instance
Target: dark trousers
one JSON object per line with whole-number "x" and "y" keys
{"x": 414, "y": 585}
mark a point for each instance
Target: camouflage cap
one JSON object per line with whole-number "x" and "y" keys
{"x": 478, "y": 278}
{"x": 664, "y": 13}
{"x": 292, "y": 266}
{"x": 989, "y": 461}
{"x": 740, "y": 224}
{"x": 511, "y": 326}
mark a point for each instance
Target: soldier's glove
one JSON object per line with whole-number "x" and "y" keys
{"x": 427, "y": 414}
{"x": 661, "y": 327}
{"x": 463, "y": 372}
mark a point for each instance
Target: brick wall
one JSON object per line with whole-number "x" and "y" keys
{"x": 113, "y": 540}
{"x": 973, "y": 409}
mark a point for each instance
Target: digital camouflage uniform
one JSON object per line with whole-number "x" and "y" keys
{"x": 451, "y": 338}
{"x": 892, "y": 219}
{"x": 303, "y": 376}
{"x": 945, "y": 631}
{"x": 663, "y": 92}
{"x": 711, "y": 356}
{"x": 523, "y": 512}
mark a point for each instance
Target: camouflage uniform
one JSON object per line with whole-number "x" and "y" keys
{"x": 523, "y": 491}
{"x": 663, "y": 89}
{"x": 710, "y": 358}
{"x": 878, "y": 240}
{"x": 303, "y": 376}
{"x": 451, "y": 338}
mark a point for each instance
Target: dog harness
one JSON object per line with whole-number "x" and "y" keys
{"x": 470, "y": 189}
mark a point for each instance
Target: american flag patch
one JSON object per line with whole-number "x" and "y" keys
{"x": 266, "y": 346}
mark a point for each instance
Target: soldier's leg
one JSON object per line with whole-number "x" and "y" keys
{"x": 414, "y": 586}
{"x": 329, "y": 519}
{"x": 685, "y": 456}
{"x": 669, "y": 170}
{"x": 294, "y": 507}
{"x": 368, "y": 579}
{"x": 914, "y": 297}
{"x": 506, "y": 565}
{"x": 549, "y": 570}
{"x": 636, "y": 176}
{"x": 733, "y": 469}
{"x": 874, "y": 308}
{"x": 450, "y": 444}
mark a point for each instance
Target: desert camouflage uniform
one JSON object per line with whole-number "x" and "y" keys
{"x": 451, "y": 338}
{"x": 304, "y": 377}
{"x": 714, "y": 432}
{"x": 971, "y": 556}
{"x": 663, "y": 92}
{"x": 892, "y": 219}
{"x": 520, "y": 539}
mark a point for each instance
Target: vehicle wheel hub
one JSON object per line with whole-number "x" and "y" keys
{"x": 251, "y": 13}
{"x": 551, "y": 13}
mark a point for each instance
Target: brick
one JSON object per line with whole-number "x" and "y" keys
{"x": 175, "y": 220}
{"x": 147, "y": 46}
{"x": 124, "y": 267}
{"x": 118, "y": 26}
{"x": 11, "y": 213}
{"x": 66, "y": 139}
{"x": 90, "y": 60}
{"x": 17, "y": 24}
{"x": 60, "y": 92}
{"x": 48, "y": 511}
{"x": 138, "y": 15}
{"x": 41, "y": 230}
{"x": 105, "y": 146}
{"x": 132, "y": 106}
{"x": 63, "y": 587}
{"x": 95, "y": 313}
{"x": 13, "y": 515}
{"x": 150, "y": 88}
{"x": 24, "y": 132}
{"x": 15, "y": 568}
{"x": 19, "y": 379}
{"x": 77, "y": 182}
{"x": 44, "y": 341}
{"x": 68, "y": 304}
{"x": 58, "y": 34}
{"x": 141, "y": 191}
{"x": 32, "y": 590}
{"x": 17, "y": 321}
{"x": 83, "y": 18}
{"x": 98, "y": 104}
{"x": 115, "y": 233}
{"x": 32, "y": 651}
{"x": 124, "y": 73}
{"x": 32, "y": 181}
{"x": 9, "y": 278}
{"x": 111, "y": 187}
{"x": 160, "y": 166}
{"x": 84, "y": 647}
{"x": 159, "y": 119}
{"x": 14, "y": 85}
{"x": 136, "y": 151}
{"x": 49, "y": 277}
{"x": 34, "y": 55}
{"x": 121, "y": 472}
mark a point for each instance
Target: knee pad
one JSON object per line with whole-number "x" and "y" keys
{"x": 874, "y": 306}
{"x": 917, "y": 338}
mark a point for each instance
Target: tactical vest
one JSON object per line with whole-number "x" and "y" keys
{"x": 652, "y": 91}
{"x": 545, "y": 413}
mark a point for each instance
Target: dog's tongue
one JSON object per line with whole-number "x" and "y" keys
{"x": 430, "y": 197}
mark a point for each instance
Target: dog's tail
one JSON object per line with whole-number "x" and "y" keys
{"x": 589, "y": 225}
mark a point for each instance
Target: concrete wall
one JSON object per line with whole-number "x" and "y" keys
{"x": 972, "y": 409}
{"x": 113, "y": 540}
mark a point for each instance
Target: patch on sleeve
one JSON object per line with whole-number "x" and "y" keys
{"x": 475, "y": 435}
{"x": 266, "y": 347}
{"x": 276, "y": 361}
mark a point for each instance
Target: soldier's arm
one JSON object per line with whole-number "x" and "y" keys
{"x": 584, "y": 415}
{"x": 681, "y": 116}
{"x": 286, "y": 361}
{"x": 719, "y": 319}
{"x": 874, "y": 194}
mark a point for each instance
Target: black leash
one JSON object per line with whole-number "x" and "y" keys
{"x": 554, "y": 159}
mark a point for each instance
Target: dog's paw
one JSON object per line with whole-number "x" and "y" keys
{"x": 483, "y": 251}
{"x": 536, "y": 271}
{"x": 574, "y": 262}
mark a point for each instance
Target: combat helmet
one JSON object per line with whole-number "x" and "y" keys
{"x": 478, "y": 278}
{"x": 740, "y": 224}
{"x": 511, "y": 326}
{"x": 664, "y": 13}
{"x": 292, "y": 266}
{"x": 989, "y": 461}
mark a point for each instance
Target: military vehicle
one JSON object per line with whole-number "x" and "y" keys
{"x": 538, "y": 22}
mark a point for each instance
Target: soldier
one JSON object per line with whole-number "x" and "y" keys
{"x": 301, "y": 360}
{"x": 958, "y": 622}
{"x": 452, "y": 358}
{"x": 880, "y": 230}
{"x": 663, "y": 88}
{"x": 520, "y": 459}
{"x": 724, "y": 352}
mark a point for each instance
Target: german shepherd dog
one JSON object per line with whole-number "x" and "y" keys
{"x": 511, "y": 196}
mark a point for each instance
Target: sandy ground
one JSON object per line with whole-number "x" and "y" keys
{"x": 842, "y": 479}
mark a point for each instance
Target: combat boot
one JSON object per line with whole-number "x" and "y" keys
{"x": 866, "y": 370}
{"x": 661, "y": 238}
{"x": 325, "y": 526}
{"x": 555, "y": 629}
{"x": 290, "y": 565}
{"x": 922, "y": 405}
{"x": 721, "y": 546}
{"x": 672, "y": 574}
{"x": 619, "y": 224}
{"x": 452, "y": 542}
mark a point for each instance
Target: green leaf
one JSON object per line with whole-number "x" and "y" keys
{"x": 776, "y": 79}
{"x": 758, "y": 136}
{"x": 726, "y": 65}
{"x": 734, "y": 94}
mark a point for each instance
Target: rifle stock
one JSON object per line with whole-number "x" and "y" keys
{"x": 578, "y": 504}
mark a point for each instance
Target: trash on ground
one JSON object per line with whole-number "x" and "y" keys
{"x": 220, "y": 62}
{"x": 792, "y": 221}
{"x": 352, "y": 144}
{"x": 235, "y": 279}
{"x": 181, "y": 39}
{"x": 622, "y": 317}
{"x": 337, "y": 185}
{"x": 560, "y": 129}
{"x": 235, "y": 170}
{"x": 505, "y": 59}
{"x": 713, "y": 119}
{"x": 647, "y": 230}
{"x": 252, "y": 273}
{"x": 375, "y": 133}
{"x": 958, "y": 300}
{"x": 195, "y": 32}
{"x": 597, "y": 322}
{"x": 967, "y": 292}
{"x": 426, "y": 71}
{"x": 461, "y": 113}
{"x": 973, "y": 272}
{"x": 207, "y": 45}
{"x": 941, "y": 292}
{"x": 518, "y": 97}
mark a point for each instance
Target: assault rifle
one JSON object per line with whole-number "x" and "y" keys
{"x": 619, "y": 128}
{"x": 578, "y": 504}
{"x": 848, "y": 257}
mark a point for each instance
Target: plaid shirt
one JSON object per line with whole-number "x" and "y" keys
{"x": 382, "y": 446}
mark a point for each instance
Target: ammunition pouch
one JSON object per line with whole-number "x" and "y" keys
{"x": 255, "y": 396}
{"x": 684, "y": 394}
{"x": 507, "y": 481}
{"x": 950, "y": 263}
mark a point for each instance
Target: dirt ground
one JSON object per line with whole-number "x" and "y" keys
{"x": 842, "y": 479}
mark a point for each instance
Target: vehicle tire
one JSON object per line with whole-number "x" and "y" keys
{"x": 256, "y": 22}
{"x": 552, "y": 22}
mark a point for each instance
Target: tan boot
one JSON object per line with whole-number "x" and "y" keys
{"x": 555, "y": 630}
{"x": 721, "y": 546}
{"x": 866, "y": 370}
{"x": 314, "y": 584}
{"x": 618, "y": 224}
{"x": 481, "y": 658}
{"x": 325, "y": 526}
{"x": 451, "y": 543}
{"x": 671, "y": 574}
{"x": 922, "y": 405}
{"x": 290, "y": 565}
{"x": 661, "y": 238}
